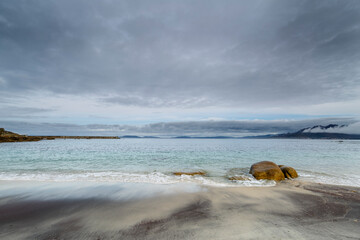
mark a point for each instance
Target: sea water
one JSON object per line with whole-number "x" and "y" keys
{"x": 153, "y": 161}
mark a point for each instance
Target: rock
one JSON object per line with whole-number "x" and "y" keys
{"x": 190, "y": 173}
{"x": 239, "y": 178}
{"x": 289, "y": 172}
{"x": 267, "y": 170}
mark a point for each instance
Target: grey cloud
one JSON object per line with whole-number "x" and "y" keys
{"x": 153, "y": 102}
{"x": 23, "y": 112}
{"x": 184, "y": 53}
{"x": 191, "y": 128}
{"x": 2, "y": 81}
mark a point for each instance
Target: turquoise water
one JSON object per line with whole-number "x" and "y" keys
{"x": 154, "y": 160}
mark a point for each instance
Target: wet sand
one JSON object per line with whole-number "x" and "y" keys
{"x": 290, "y": 210}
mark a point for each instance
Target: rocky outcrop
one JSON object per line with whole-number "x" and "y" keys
{"x": 7, "y": 136}
{"x": 289, "y": 172}
{"x": 266, "y": 170}
{"x": 201, "y": 173}
{"x": 270, "y": 171}
{"x": 4, "y": 133}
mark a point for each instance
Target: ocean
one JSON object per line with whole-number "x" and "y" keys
{"x": 153, "y": 161}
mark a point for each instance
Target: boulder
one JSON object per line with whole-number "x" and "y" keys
{"x": 289, "y": 172}
{"x": 189, "y": 173}
{"x": 266, "y": 170}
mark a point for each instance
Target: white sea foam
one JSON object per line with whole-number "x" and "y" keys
{"x": 168, "y": 178}
{"x": 156, "y": 177}
{"x": 118, "y": 177}
{"x": 334, "y": 179}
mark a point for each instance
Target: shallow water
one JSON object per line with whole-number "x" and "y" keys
{"x": 154, "y": 160}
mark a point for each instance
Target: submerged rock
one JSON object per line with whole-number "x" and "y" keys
{"x": 289, "y": 172}
{"x": 239, "y": 178}
{"x": 267, "y": 170}
{"x": 190, "y": 173}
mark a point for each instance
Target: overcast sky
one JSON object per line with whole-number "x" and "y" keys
{"x": 137, "y": 63}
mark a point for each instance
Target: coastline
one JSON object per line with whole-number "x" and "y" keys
{"x": 25, "y": 138}
{"x": 291, "y": 209}
{"x": 7, "y": 136}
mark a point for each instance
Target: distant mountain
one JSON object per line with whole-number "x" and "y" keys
{"x": 130, "y": 136}
{"x": 261, "y": 136}
{"x": 316, "y": 132}
{"x": 210, "y": 137}
{"x": 134, "y": 136}
{"x": 321, "y": 128}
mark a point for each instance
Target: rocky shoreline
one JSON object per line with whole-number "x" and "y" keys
{"x": 7, "y": 136}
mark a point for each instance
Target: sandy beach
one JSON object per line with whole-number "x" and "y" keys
{"x": 289, "y": 210}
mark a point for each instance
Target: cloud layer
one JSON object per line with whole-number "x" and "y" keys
{"x": 190, "y": 128}
{"x": 285, "y": 56}
{"x": 161, "y": 53}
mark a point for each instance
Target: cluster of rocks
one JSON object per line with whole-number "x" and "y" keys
{"x": 271, "y": 171}
{"x": 260, "y": 170}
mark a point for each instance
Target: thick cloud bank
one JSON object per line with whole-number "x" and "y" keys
{"x": 191, "y": 128}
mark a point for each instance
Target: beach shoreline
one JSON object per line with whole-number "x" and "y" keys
{"x": 291, "y": 209}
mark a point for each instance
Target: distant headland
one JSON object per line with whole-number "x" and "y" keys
{"x": 316, "y": 132}
{"x": 7, "y": 136}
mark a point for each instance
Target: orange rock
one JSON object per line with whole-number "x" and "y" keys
{"x": 267, "y": 170}
{"x": 238, "y": 178}
{"x": 189, "y": 173}
{"x": 289, "y": 172}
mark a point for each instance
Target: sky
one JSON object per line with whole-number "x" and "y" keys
{"x": 198, "y": 67}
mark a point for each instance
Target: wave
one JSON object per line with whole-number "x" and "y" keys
{"x": 168, "y": 178}
{"x": 120, "y": 177}
{"x": 328, "y": 178}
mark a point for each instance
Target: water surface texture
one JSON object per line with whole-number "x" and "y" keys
{"x": 154, "y": 160}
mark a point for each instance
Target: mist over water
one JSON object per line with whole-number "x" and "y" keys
{"x": 154, "y": 160}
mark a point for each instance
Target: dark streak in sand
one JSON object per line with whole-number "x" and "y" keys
{"x": 193, "y": 212}
{"x": 36, "y": 210}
